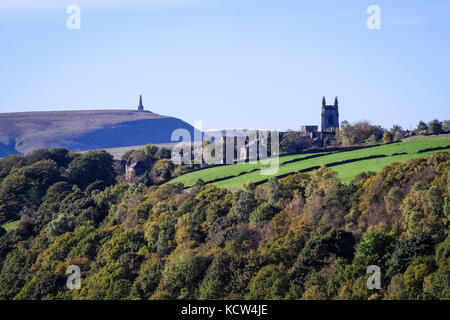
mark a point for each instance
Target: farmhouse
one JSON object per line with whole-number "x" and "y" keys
{"x": 137, "y": 169}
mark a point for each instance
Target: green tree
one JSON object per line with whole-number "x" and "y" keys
{"x": 245, "y": 204}
{"x": 163, "y": 170}
{"x": 387, "y": 137}
{"x": 360, "y": 132}
{"x": 293, "y": 142}
{"x": 216, "y": 284}
{"x": 422, "y": 127}
{"x": 414, "y": 277}
{"x": 442, "y": 255}
{"x": 375, "y": 248}
{"x": 15, "y": 273}
{"x": 90, "y": 167}
{"x": 435, "y": 127}
{"x": 49, "y": 208}
{"x": 146, "y": 284}
{"x": 183, "y": 274}
{"x": 273, "y": 190}
{"x": 446, "y": 125}
{"x": 163, "y": 153}
{"x": 111, "y": 282}
{"x": 264, "y": 213}
{"x": 270, "y": 283}
{"x": 440, "y": 288}
{"x": 406, "y": 251}
{"x": 150, "y": 151}
{"x": 316, "y": 253}
{"x": 25, "y": 187}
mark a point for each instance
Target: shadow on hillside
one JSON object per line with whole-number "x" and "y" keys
{"x": 132, "y": 133}
{"x": 8, "y": 149}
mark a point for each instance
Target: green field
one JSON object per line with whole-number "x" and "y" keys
{"x": 240, "y": 173}
{"x": 218, "y": 172}
{"x": 10, "y": 225}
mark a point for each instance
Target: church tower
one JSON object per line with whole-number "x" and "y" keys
{"x": 330, "y": 116}
{"x": 141, "y": 106}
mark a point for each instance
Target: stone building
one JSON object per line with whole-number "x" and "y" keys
{"x": 329, "y": 125}
{"x": 137, "y": 169}
{"x": 330, "y": 116}
{"x": 310, "y": 131}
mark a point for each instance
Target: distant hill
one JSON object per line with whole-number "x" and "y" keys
{"x": 83, "y": 130}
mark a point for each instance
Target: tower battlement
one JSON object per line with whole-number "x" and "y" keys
{"x": 330, "y": 116}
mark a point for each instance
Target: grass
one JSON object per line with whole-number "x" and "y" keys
{"x": 218, "y": 172}
{"x": 10, "y": 225}
{"x": 346, "y": 172}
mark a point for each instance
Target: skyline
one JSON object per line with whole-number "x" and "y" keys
{"x": 230, "y": 64}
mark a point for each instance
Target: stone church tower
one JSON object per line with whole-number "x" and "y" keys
{"x": 330, "y": 116}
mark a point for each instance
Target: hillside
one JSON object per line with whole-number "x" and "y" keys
{"x": 24, "y": 132}
{"x": 347, "y": 164}
{"x": 306, "y": 236}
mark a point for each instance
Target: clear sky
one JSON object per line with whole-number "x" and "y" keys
{"x": 230, "y": 63}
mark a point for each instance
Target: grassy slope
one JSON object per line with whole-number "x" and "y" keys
{"x": 346, "y": 172}
{"x": 213, "y": 173}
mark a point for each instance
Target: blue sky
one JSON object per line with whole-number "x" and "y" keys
{"x": 230, "y": 63}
